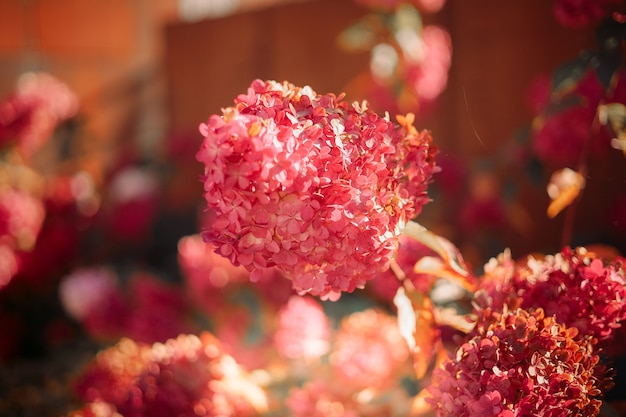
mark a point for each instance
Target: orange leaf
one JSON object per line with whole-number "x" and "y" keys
{"x": 417, "y": 326}
{"x": 565, "y": 185}
{"x": 450, "y": 266}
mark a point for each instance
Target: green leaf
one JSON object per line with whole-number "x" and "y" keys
{"x": 567, "y": 76}
{"x": 360, "y": 37}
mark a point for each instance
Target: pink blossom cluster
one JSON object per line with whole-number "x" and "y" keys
{"x": 429, "y": 76}
{"x": 581, "y": 13}
{"x": 561, "y": 137}
{"x": 421, "y": 76}
{"x": 520, "y": 363}
{"x": 186, "y": 376}
{"x": 30, "y": 114}
{"x": 311, "y": 185}
{"x": 367, "y": 358}
{"x": 575, "y": 286}
{"x": 147, "y": 310}
{"x": 303, "y": 329}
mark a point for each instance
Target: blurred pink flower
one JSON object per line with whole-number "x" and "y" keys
{"x": 185, "y": 376}
{"x": 134, "y": 198}
{"x": 311, "y": 185}
{"x": 148, "y": 310}
{"x": 581, "y": 13}
{"x": 29, "y": 116}
{"x": 319, "y": 399}
{"x": 21, "y": 217}
{"x": 369, "y": 351}
{"x": 303, "y": 329}
{"x": 573, "y": 285}
{"x": 204, "y": 271}
{"x": 429, "y": 76}
{"x": 86, "y": 289}
{"x": 159, "y": 310}
{"x": 518, "y": 363}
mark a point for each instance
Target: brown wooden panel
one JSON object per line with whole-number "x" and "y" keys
{"x": 209, "y": 62}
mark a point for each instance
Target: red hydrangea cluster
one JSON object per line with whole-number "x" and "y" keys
{"x": 573, "y": 285}
{"x": 581, "y": 13}
{"x": 147, "y": 309}
{"x": 561, "y": 137}
{"x": 518, "y": 363}
{"x": 186, "y": 376}
{"x": 311, "y": 185}
{"x": 30, "y": 114}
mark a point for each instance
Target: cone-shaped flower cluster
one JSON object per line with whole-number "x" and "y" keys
{"x": 311, "y": 184}
{"x": 521, "y": 364}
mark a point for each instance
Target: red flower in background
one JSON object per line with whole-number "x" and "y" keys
{"x": 188, "y": 375}
{"x": 303, "y": 329}
{"x": 581, "y": 13}
{"x": 148, "y": 310}
{"x": 369, "y": 351}
{"x": 38, "y": 104}
{"x": 560, "y": 137}
{"x": 311, "y": 185}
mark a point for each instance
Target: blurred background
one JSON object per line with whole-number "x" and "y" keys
{"x": 116, "y": 181}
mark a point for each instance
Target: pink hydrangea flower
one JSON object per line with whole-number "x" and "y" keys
{"x": 185, "y": 376}
{"x": 429, "y": 76}
{"x": 29, "y": 116}
{"x": 303, "y": 329}
{"x": 520, "y": 364}
{"x": 311, "y": 185}
{"x": 320, "y": 399}
{"x": 87, "y": 289}
{"x": 369, "y": 351}
{"x": 21, "y": 217}
{"x": 573, "y": 285}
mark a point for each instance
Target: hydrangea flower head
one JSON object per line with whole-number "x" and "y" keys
{"x": 369, "y": 350}
{"x": 30, "y": 114}
{"x": 303, "y": 329}
{"x": 311, "y": 185}
{"x": 189, "y": 375}
{"x": 521, "y": 363}
{"x": 573, "y": 285}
